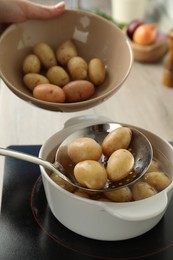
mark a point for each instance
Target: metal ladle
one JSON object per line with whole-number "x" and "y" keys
{"x": 140, "y": 147}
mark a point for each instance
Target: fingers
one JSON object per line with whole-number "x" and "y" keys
{"x": 36, "y": 11}
{"x": 21, "y": 10}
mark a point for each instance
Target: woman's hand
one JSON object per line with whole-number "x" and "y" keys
{"x": 15, "y": 11}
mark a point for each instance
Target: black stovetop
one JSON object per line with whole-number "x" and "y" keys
{"x": 28, "y": 230}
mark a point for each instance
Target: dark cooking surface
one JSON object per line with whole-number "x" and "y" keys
{"x": 28, "y": 230}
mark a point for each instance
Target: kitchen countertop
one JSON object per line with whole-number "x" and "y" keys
{"x": 141, "y": 101}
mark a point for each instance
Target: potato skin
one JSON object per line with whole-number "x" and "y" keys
{"x": 91, "y": 174}
{"x": 49, "y": 93}
{"x": 78, "y": 68}
{"x": 78, "y": 90}
{"x": 117, "y": 139}
{"x": 96, "y": 71}
{"x": 142, "y": 190}
{"x": 57, "y": 76}
{"x": 66, "y": 51}
{"x": 45, "y": 54}
{"x": 154, "y": 166}
{"x": 62, "y": 183}
{"x": 84, "y": 148}
{"x": 119, "y": 164}
{"x": 31, "y": 64}
{"x": 120, "y": 195}
{"x": 159, "y": 180}
{"x": 31, "y": 80}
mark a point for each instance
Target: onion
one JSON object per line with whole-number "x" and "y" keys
{"x": 145, "y": 34}
{"x": 132, "y": 26}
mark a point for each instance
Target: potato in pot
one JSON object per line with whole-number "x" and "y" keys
{"x": 119, "y": 138}
{"x": 158, "y": 179}
{"x": 88, "y": 147}
{"x": 91, "y": 174}
{"x": 142, "y": 190}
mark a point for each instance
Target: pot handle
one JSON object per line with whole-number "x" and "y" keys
{"x": 85, "y": 120}
{"x": 139, "y": 210}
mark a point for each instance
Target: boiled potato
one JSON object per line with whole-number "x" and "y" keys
{"x": 84, "y": 148}
{"x": 31, "y": 64}
{"x": 31, "y": 80}
{"x": 159, "y": 180}
{"x": 49, "y": 93}
{"x": 77, "y": 68}
{"x": 142, "y": 190}
{"x": 62, "y": 183}
{"x": 81, "y": 194}
{"x": 46, "y": 54}
{"x": 96, "y": 71}
{"x": 154, "y": 166}
{"x": 78, "y": 90}
{"x": 119, "y": 164}
{"x": 119, "y": 138}
{"x": 90, "y": 174}
{"x": 104, "y": 199}
{"x": 66, "y": 51}
{"x": 57, "y": 76}
{"x": 120, "y": 195}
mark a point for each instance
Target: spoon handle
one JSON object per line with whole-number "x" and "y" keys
{"x": 25, "y": 157}
{"x": 35, "y": 160}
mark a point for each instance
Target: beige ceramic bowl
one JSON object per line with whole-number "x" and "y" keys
{"x": 93, "y": 36}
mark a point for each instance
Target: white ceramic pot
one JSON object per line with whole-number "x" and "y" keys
{"x": 105, "y": 220}
{"x": 124, "y": 11}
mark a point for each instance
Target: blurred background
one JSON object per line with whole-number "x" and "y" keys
{"x": 122, "y": 10}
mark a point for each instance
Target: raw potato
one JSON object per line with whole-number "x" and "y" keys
{"x": 84, "y": 148}
{"x": 119, "y": 138}
{"x": 120, "y": 195}
{"x": 96, "y": 71}
{"x": 31, "y": 80}
{"x": 31, "y": 64}
{"x": 78, "y": 90}
{"x": 157, "y": 179}
{"x": 62, "y": 67}
{"x": 90, "y": 174}
{"x": 142, "y": 190}
{"x": 77, "y": 68}
{"x": 57, "y": 76}
{"x": 119, "y": 164}
{"x": 66, "y": 51}
{"x": 49, "y": 93}
{"x": 62, "y": 183}
{"x": 45, "y": 54}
